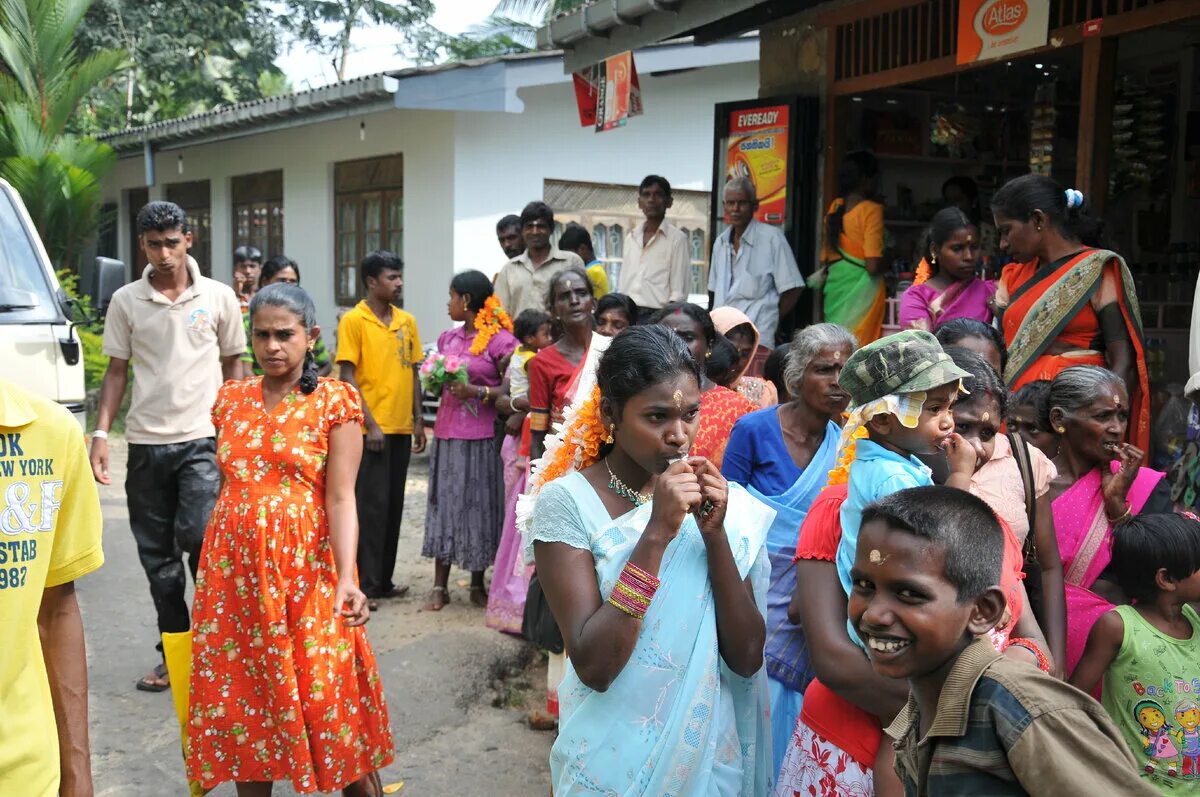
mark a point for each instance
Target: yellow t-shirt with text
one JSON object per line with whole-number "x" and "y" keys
{"x": 50, "y": 524}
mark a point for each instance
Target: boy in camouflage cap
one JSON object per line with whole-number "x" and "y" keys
{"x": 902, "y": 388}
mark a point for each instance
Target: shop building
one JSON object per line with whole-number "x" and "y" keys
{"x": 1103, "y": 95}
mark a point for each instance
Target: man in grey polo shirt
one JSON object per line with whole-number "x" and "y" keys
{"x": 184, "y": 335}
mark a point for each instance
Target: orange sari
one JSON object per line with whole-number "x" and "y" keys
{"x": 1053, "y": 304}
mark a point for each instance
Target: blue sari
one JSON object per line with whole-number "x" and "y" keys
{"x": 676, "y": 720}
{"x": 788, "y": 665}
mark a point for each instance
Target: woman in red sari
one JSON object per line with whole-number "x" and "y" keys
{"x": 720, "y": 407}
{"x": 554, "y": 369}
{"x": 1069, "y": 303}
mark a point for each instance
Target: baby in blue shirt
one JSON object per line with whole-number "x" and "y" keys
{"x": 902, "y": 389}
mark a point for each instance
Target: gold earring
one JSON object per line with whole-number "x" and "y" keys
{"x": 1060, "y": 429}
{"x": 609, "y": 438}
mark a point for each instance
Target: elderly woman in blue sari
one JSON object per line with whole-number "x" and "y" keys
{"x": 655, "y": 569}
{"x": 782, "y": 455}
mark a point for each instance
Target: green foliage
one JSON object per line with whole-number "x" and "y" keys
{"x": 327, "y": 25}
{"x": 510, "y": 28}
{"x": 186, "y": 57}
{"x": 91, "y": 336}
{"x": 45, "y": 79}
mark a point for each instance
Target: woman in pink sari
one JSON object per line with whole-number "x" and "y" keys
{"x": 1100, "y": 485}
{"x": 946, "y": 286}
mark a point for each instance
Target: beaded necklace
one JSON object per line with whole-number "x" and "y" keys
{"x": 625, "y": 491}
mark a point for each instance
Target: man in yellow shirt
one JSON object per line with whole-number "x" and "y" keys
{"x": 379, "y": 351}
{"x": 50, "y": 526}
{"x": 575, "y": 238}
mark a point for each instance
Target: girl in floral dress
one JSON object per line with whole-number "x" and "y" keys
{"x": 284, "y": 684}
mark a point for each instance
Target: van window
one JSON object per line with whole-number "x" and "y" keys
{"x": 25, "y": 292}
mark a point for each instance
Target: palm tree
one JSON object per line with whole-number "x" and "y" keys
{"x": 42, "y": 84}
{"x": 517, "y": 21}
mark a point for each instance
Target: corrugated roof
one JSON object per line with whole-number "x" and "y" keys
{"x": 368, "y": 90}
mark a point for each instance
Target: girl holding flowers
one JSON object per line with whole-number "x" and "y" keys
{"x": 655, "y": 569}
{"x": 466, "y": 485}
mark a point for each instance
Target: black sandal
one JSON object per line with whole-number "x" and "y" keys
{"x": 144, "y": 684}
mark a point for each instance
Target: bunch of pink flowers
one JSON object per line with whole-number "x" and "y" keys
{"x": 440, "y": 369}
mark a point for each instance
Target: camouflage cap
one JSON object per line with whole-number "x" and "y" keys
{"x": 906, "y": 362}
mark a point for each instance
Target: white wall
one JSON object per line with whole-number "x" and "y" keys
{"x": 307, "y": 155}
{"x": 502, "y": 159}
{"x": 462, "y": 172}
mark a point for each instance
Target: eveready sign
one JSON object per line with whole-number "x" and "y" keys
{"x": 998, "y": 28}
{"x": 757, "y": 119}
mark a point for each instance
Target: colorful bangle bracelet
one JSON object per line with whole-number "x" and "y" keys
{"x": 1032, "y": 647}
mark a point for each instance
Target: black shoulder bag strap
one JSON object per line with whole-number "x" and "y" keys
{"x": 1031, "y": 567}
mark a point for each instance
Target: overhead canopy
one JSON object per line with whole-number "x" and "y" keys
{"x": 602, "y": 28}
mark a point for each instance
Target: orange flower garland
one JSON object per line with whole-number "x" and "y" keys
{"x": 841, "y": 472}
{"x": 581, "y": 442}
{"x": 488, "y": 321}
{"x": 924, "y": 272}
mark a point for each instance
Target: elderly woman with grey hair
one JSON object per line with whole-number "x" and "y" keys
{"x": 1100, "y": 486}
{"x": 782, "y": 455}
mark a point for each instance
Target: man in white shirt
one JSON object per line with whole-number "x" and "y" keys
{"x": 753, "y": 268}
{"x": 657, "y": 267}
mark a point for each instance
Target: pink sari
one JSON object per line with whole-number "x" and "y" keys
{"x": 1085, "y": 544}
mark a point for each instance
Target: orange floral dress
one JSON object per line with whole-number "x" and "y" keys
{"x": 281, "y": 688}
{"x": 720, "y": 408}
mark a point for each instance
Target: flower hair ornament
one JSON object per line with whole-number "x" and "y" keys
{"x": 1074, "y": 199}
{"x": 488, "y": 321}
{"x": 575, "y": 443}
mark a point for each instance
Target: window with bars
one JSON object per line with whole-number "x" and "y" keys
{"x": 258, "y": 212}
{"x": 369, "y": 201}
{"x": 194, "y": 198}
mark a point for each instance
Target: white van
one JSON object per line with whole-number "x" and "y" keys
{"x": 39, "y": 349}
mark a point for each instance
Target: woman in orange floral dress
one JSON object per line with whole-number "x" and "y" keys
{"x": 720, "y": 407}
{"x": 284, "y": 684}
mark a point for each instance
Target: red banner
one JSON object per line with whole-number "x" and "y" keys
{"x": 608, "y": 93}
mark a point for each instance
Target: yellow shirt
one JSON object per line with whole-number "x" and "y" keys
{"x": 50, "y": 525}
{"x": 599, "y": 279}
{"x": 383, "y": 358}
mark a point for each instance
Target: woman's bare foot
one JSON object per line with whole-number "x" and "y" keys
{"x": 479, "y": 596}
{"x": 438, "y": 597}
{"x": 542, "y": 720}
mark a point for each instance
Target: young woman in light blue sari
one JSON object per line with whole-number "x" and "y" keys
{"x": 655, "y": 570}
{"x": 782, "y": 456}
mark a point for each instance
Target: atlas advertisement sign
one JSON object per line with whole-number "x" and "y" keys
{"x": 758, "y": 149}
{"x": 989, "y": 29}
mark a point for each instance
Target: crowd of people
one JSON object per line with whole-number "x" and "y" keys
{"x": 749, "y": 564}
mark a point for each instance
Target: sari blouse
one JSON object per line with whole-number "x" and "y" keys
{"x": 472, "y": 419}
{"x": 550, "y": 376}
{"x": 675, "y": 720}
{"x": 918, "y": 310}
{"x": 862, "y": 232}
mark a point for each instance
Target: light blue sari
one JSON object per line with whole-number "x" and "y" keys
{"x": 675, "y": 721}
{"x": 786, "y": 654}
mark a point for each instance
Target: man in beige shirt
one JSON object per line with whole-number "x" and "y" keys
{"x": 657, "y": 265}
{"x": 184, "y": 334}
{"x": 523, "y": 281}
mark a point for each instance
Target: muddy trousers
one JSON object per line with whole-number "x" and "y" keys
{"x": 380, "y": 495}
{"x": 171, "y": 490}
